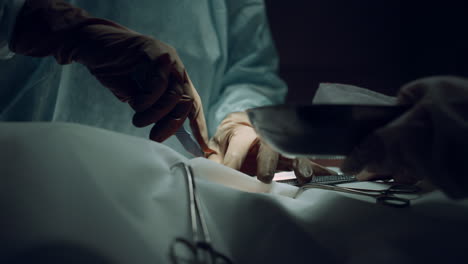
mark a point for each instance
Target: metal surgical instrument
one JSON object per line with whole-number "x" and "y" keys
{"x": 188, "y": 141}
{"x": 385, "y": 196}
{"x": 199, "y": 249}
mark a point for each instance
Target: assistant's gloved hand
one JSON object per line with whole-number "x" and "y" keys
{"x": 140, "y": 70}
{"x": 237, "y": 146}
{"x": 429, "y": 140}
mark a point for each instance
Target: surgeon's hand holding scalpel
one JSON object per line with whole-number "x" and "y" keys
{"x": 429, "y": 141}
{"x": 114, "y": 54}
{"x": 237, "y": 145}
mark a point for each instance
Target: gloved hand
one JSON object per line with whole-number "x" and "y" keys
{"x": 237, "y": 146}
{"x": 140, "y": 70}
{"x": 422, "y": 142}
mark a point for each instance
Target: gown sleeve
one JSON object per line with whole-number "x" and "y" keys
{"x": 250, "y": 79}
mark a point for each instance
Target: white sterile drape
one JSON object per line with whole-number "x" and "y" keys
{"x": 116, "y": 195}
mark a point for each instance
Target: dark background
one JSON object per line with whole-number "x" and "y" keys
{"x": 377, "y": 44}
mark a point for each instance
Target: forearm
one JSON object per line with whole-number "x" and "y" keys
{"x": 250, "y": 78}
{"x": 53, "y": 28}
{"x": 242, "y": 96}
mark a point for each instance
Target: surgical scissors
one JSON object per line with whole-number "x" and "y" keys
{"x": 385, "y": 196}
{"x": 199, "y": 249}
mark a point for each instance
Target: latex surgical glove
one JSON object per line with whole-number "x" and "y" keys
{"x": 237, "y": 146}
{"x": 142, "y": 71}
{"x": 429, "y": 140}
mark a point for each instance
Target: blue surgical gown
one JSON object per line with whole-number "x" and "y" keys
{"x": 226, "y": 47}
